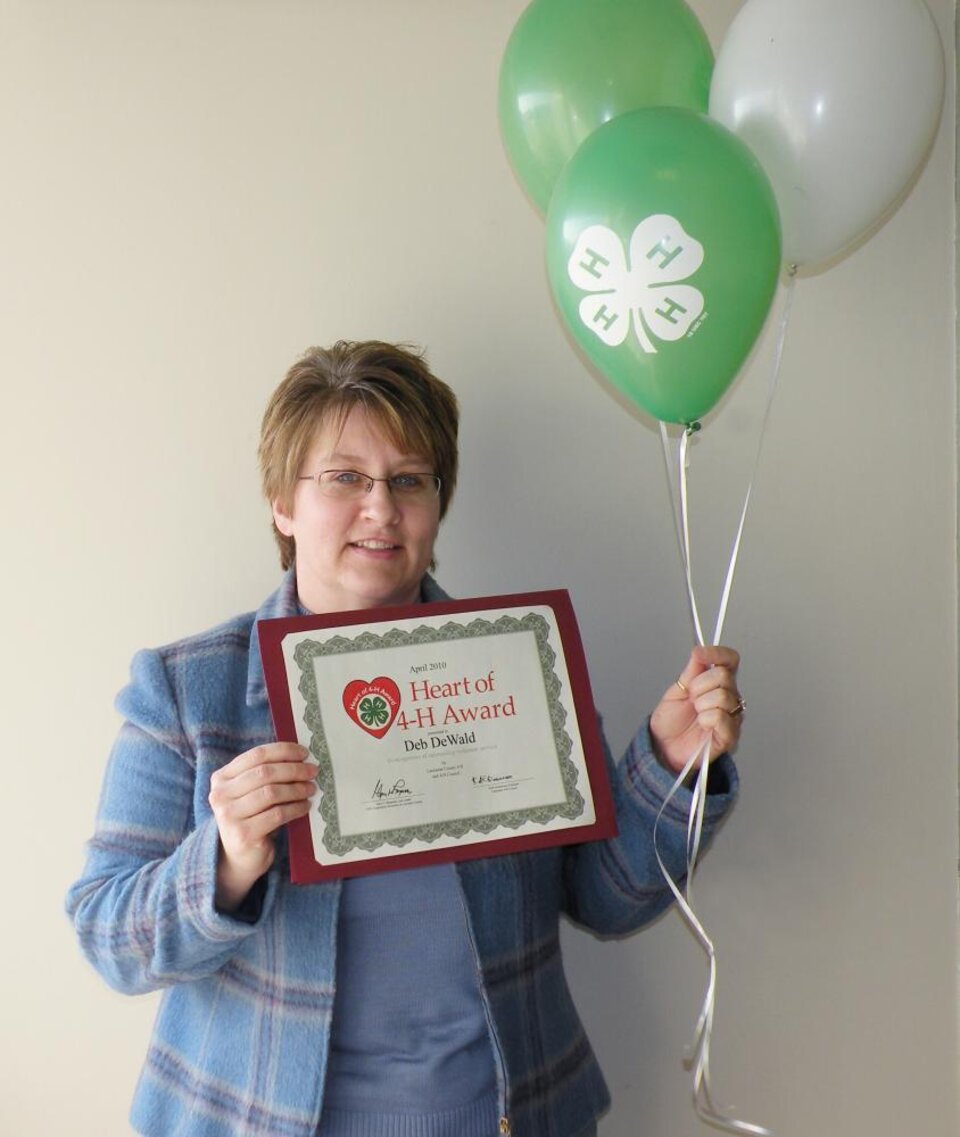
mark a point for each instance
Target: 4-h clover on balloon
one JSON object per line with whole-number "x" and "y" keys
{"x": 663, "y": 221}
{"x": 642, "y": 293}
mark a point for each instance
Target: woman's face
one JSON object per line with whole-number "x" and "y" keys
{"x": 365, "y": 552}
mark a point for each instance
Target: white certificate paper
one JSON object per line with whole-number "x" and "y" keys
{"x": 438, "y": 734}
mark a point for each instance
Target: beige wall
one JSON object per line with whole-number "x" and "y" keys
{"x": 194, "y": 190}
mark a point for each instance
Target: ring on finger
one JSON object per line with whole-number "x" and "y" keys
{"x": 682, "y": 686}
{"x": 740, "y": 707}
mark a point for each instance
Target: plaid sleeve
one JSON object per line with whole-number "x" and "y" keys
{"x": 616, "y": 886}
{"x": 143, "y": 907}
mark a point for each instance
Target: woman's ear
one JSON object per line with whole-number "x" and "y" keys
{"x": 282, "y": 519}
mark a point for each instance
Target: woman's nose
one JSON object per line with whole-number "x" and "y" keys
{"x": 379, "y": 502}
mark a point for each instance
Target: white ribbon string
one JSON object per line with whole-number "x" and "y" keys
{"x": 699, "y": 1052}
{"x": 680, "y": 511}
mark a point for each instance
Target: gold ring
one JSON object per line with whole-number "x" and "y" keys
{"x": 740, "y": 707}
{"x": 682, "y": 687}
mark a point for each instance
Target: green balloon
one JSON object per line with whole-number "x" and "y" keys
{"x": 663, "y": 253}
{"x": 572, "y": 65}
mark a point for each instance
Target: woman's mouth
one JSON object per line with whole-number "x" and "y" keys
{"x": 375, "y": 546}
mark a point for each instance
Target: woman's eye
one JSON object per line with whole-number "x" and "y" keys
{"x": 406, "y": 481}
{"x": 346, "y": 477}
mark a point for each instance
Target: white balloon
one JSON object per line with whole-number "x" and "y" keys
{"x": 839, "y": 101}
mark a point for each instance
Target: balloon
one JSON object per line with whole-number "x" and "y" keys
{"x": 571, "y": 65}
{"x": 839, "y": 99}
{"x": 663, "y": 253}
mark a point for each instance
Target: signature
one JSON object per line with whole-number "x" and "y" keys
{"x": 485, "y": 779}
{"x": 398, "y": 789}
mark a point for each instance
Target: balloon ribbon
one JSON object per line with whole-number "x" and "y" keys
{"x": 699, "y": 1052}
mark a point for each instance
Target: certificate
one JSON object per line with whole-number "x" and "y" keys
{"x": 440, "y": 731}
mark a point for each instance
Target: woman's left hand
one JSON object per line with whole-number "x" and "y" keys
{"x": 704, "y": 703}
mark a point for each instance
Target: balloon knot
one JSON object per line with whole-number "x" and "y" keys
{"x": 692, "y": 428}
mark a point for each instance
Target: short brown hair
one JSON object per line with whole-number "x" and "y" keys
{"x": 416, "y": 411}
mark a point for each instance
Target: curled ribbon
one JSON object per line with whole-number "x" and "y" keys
{"x": 699, "y": 1054}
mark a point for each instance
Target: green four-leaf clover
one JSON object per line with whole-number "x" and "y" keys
{"x": 373, "y": 711}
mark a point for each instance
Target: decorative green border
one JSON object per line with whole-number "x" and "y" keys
{"x": 338, "y": 844}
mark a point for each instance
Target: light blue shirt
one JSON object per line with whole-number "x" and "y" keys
{"x": 410, "y": 1050}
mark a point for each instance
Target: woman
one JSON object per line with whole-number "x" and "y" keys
{"x": 428, "y": 1002}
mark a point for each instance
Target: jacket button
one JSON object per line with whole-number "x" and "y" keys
{"x": 505, "y": 1126}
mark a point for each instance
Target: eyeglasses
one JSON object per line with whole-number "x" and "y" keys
{"x": 351, "y": 485}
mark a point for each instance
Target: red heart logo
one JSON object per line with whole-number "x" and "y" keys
{"x": 373, "y": 706}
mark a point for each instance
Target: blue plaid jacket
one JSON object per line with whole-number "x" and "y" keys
{"x": 240, "y": 1041}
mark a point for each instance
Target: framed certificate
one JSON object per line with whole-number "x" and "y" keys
{"x": 441, "y": 732}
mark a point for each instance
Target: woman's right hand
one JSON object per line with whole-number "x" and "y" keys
{"x": 251, "y": 798}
